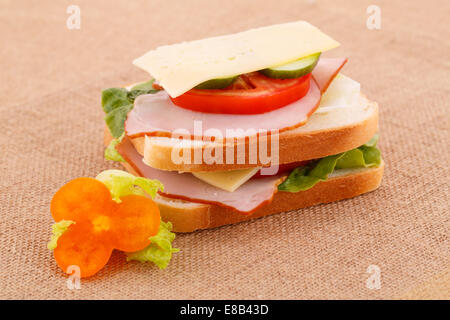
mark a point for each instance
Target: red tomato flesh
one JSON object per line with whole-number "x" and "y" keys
{"x": 251, "y": 93}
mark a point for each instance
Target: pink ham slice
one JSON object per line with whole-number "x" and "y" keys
{"x": 326, "y": 70}
{"x": 156, "y": 115}
{"x": 246, "y": 199}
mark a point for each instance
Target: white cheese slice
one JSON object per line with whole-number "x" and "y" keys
{"x": 343, "y": 92}
{"x": 180, "y": 67}
{"x": 227, "y": 180}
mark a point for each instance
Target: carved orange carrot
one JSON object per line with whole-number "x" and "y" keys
{"x": 100, "y": 224}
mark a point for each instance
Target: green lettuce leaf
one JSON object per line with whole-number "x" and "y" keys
{"x": 372, "y": 155}
{"x": 372, "y": 142}
{"x": 117, "y": 102}
{"x": 115, "y": 120}
{"x": 362, "y": 157}
{"x": 113, "y": 98}
{"x": 121, "y": 183}
{"x": 111, "y": 152}
{"x": 305, "y": 177}
{"x": 160, "y": 249}
{"x": 58, "y": 229}
{"x": 145, "y": 86}
{"x": 351, "y": 159}
{"x": 141, "y": 88}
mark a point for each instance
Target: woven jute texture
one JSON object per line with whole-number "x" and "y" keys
{"x": 51, "y": 121}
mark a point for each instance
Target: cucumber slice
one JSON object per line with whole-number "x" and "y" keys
{"x": 218, "y": 83}
{"x": 294, "y": 69}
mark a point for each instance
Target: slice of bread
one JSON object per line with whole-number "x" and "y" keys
{"x": 341, "y": 184}
{"x": 328, "y": 131}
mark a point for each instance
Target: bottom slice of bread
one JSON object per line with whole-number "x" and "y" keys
{"x": 341, "y": 184}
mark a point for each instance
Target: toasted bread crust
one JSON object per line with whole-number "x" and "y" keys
{"x": 294, "y": 145}
{"x": 188, "y": 216}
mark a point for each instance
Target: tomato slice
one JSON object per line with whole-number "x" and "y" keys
{"x": 251, "y": 93}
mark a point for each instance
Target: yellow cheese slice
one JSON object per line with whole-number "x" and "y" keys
{"x": 180, "y": 67}
{"x": 227, "y": 180}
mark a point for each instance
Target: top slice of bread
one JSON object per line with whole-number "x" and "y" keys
{"x": 327, "y": 132}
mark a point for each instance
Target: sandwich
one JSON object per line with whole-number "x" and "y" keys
{"x": 246, "y": 125}
{"x": 223, "y": 130}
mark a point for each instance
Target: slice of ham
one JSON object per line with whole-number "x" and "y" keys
{"x": 156, "y": 115}
{"x": 326, "y": 70}
{"x": 246, "y": 199}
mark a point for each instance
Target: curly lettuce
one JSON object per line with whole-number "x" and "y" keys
{"x": 160, "y": 249}
{"x": 305, "y": 177}
{"x": 121, "y": 183}
{"x": 111, "y": 152}
{"x": 117, "y": 102}
{"x": 58, "y": 229}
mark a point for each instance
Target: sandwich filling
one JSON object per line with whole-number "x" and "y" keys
{"x": 240, "y": 190}
{"x": 254, "y": 193}
{"x": 236, "y": 86}
{"x": 156, "y": 115}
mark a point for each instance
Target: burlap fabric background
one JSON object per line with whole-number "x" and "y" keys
{"x": 51, "y": 121}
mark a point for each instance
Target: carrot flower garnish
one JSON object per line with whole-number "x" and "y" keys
{"x": 96, "y": 216}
